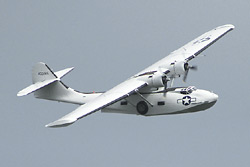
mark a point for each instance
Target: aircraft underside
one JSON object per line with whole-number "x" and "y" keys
{"x": 163, "y": 103}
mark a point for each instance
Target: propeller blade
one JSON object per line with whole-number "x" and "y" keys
{"x": 165, "y": 81}
{"x": 185, "y": 75}
{"x": 187, "y": 68}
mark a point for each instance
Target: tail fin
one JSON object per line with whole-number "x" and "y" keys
{"x": 42, "y": 76}
{"x": 42, "y": 72}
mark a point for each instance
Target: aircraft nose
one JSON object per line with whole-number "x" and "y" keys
{"x": 214, "y": 97}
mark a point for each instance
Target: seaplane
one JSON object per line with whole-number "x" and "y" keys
{"x": 147, "y": 93}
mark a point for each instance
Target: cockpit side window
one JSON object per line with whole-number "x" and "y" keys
{"x": 184, "y": 91}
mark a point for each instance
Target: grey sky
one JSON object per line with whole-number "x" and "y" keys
{"x": 107, "y": 42}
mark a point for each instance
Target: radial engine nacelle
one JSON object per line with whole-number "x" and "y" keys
{"x": 178, "y": 68}
{"x": 157, "y": 80}
{"x": 163, "y": 75}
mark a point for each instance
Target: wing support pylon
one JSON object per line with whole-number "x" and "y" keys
{"x": 144, "y": 99}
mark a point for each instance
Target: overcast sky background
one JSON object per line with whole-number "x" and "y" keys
{"x": 107, "y": 42}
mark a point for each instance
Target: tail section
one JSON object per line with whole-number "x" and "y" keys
{"x": 48, "y": 85}
{"x": 41, "y": 77}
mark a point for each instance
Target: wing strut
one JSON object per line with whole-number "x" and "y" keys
{"x": 136, "y": 91}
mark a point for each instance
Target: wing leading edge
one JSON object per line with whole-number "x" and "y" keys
{"x": 115, "y": 94}
{"x": 192, "y": 48}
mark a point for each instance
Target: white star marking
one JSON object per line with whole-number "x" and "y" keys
{"x": 186, "y": 100}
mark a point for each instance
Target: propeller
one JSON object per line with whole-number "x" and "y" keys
{"x": 187, "y": 67}
{"x": 164, "y": 78}
{"x": 165, "y": 81}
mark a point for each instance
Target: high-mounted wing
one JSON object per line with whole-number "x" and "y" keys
{"x": 119, "y": 92}
{"x": 190, "y": 50}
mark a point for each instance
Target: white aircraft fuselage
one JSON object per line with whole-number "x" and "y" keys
{"x": 148, "y": 103}
{"x": 163, "y": 103}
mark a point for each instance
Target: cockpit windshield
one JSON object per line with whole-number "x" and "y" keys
{"x": 188, "y": 90}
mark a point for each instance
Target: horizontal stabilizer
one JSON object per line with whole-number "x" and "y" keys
{"x": 35, "y": 87}
{"x": 62, "y": 73}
